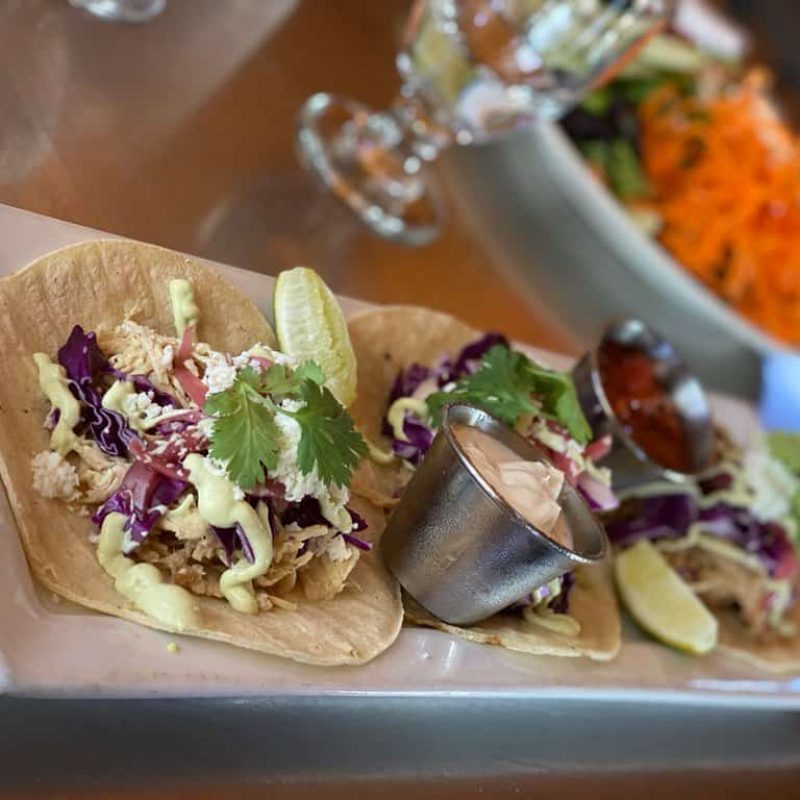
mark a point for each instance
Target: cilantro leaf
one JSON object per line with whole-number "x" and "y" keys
{"x": 508, "y": 384}
{"x": 500, "y": 386}
{"x": 245, "y": 435}
{"x": 785, "y": 447}
{"x": 328, "y": 440}
{"x": 282, "y": 381}
{"x": 556, "y": 393}
{"x": 310, "y": 370}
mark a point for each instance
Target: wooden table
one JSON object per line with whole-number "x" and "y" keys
{"x": 181, "y": 132}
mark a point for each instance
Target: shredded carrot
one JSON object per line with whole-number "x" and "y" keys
{"x": 725, "y": 172}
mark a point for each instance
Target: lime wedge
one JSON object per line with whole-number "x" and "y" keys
{"x": 311, "y": 326}
{"x": 661, "y": 602}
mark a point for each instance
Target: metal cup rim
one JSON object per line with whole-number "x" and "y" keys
{"x": 618, "y": 431}
{"x": 516, "y": 442}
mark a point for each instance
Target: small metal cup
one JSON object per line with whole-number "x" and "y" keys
{"x": 630, "y": 465}
{"x": 460, "y": 549}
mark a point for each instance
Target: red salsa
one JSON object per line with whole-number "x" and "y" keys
{"x": 643, "y": 406}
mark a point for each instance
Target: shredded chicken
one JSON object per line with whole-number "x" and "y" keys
{"x": 195, "y": 579}
{"x": 723, "y": 584}
{"x": 184, "y": 521}
{"x": 139, "y": 350}
{"x": 301, "y": 556}
{"x": 99, "y": 475}
{"x": 315, "y": 560}
{"x": 323, "y": 578}
{"x": 725, "y": 450}
{"x": 93, "y": 456}
{"x": 362, "y": 488}
{"x": 96, "y": 486}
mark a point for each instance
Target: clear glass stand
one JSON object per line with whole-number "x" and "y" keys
{"x": 122, "y": 10}
{"x": 375, "y": 163}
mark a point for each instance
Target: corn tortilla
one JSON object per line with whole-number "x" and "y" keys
{"x": 98, "y": 285}
{"x": 392, "y": 338}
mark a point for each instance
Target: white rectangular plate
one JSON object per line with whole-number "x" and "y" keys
{"x": 53, "y": 647}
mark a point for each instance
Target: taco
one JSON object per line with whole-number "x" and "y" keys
{"x": 163, "y": 465}
{"x": 730, "y": 535}
{"x": 413, "y": 360}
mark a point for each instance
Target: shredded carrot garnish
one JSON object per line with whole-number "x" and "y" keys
{"x": 725, "y": 174}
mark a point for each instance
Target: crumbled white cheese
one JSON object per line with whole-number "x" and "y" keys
{"x": 249, "y": 358}
{"x": 244, "y": 360}
{"x": 140, "y": 408}
{"x": 220, "y": 373}
{"x": 332, "y": 546}
{"x": 337, "y": 549}
{"x": 773, "y": 485}
{"x": 238, "y": 492}
{"x": 130, "y": 327}
{"x": 333, "y": 499}
{"x": 206, "y": 426}
{"x": 167, "y": 355}
{"x": 216, "y": 467}
{"x": 53, "y": 475}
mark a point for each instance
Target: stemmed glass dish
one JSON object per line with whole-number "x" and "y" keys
{"x": 472, "y": 71}
{"x": 122, "y": 10}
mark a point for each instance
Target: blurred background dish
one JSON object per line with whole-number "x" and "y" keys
{"x": 555, "y": 226}
{"x": 181, "y": 132}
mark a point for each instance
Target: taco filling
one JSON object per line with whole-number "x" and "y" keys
{"x": 205, "y": 473}
{"x": 538, "y": 403}
{"x": 411, "y": 362}
{"x": 731, "y": 535}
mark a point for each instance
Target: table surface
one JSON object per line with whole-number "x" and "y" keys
{"x": 180, "y": 132}
{"x": 451, "y": 746}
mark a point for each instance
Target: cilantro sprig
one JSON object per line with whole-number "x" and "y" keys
{"x": 508, "y": 384}
{"x": 247, "y": 438}
{"x": 245, "y": 435}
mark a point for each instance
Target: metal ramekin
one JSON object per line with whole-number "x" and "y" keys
{"x": 459, "y": 549}
{"x": 630, "y": 465}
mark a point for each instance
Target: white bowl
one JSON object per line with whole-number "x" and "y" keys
{"x": 584, "y": 262}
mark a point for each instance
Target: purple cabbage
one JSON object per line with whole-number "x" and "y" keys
{"x": 308, "y": 512}
{"x": 233, "y": 538}
{"x": 143, "y": 384}
{"x": 107, "y": 428}
{"x": 470, "y": 356}
{"x": 356, "y": 541}
{"x": 359, "y": 524}
{"x": 720, "y": 482}
{"x": 82, "y": 360}
{"x": 766, "y": 540}
{"x": 670, "y": 516}
{"x": 143, "y": 497}
{"x": 304, "y": 514}
{"x": 420, "y": 438}
{"x": 81, "y": 357}
{"x": 560, "y": 603}
{"x": 408, "y": 381}
{"x": 661, "y": 517}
